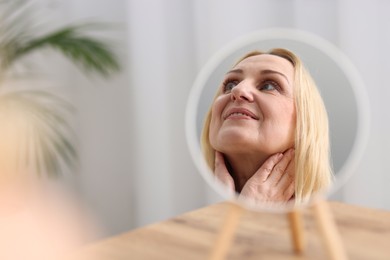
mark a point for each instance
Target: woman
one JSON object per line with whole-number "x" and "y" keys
{"x": 266, "y": 133}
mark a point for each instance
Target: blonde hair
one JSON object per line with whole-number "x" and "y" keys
{"x": 313, "y": 171}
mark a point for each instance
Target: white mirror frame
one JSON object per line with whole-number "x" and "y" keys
{"x": 298, "y": 36}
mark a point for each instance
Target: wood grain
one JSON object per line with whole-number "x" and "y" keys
{"x": 364, "y": 232}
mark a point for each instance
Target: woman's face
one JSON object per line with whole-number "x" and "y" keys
{"x": 255, "y": 111}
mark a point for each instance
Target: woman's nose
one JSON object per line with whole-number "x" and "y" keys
{"x": 242, "y": 92}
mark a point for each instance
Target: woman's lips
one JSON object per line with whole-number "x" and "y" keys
{"x": 240, "y": 113}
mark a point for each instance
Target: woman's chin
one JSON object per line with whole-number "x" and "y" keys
{"x": 237, "y": 139}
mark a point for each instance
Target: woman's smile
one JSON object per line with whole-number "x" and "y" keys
{"x": 237, "y": 113}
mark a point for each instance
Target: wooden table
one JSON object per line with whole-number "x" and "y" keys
{"x": 365, "y": 233}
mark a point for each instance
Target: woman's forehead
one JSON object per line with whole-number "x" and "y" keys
{"x": 267, "y": 62}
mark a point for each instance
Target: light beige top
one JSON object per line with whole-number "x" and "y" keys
{"x": 365, "y": 233}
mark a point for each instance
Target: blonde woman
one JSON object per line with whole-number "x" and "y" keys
{"x": 266, "y": 133}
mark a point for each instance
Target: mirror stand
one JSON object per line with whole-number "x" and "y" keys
{"x": 321, "y": 212}
{"x": 328, "y": 230}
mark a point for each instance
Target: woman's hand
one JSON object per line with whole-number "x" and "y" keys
{"x": 221, "y": 172}
{"x": 274, "y": 181}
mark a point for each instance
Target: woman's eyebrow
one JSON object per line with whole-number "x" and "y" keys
{"x": 267, "y": 71}
{"x": 275, "y": 72}
{"x": 235, "y": 71}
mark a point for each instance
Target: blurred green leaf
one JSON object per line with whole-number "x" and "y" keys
{"x": 93, "y": 55}
{"x": 36, "y": 121}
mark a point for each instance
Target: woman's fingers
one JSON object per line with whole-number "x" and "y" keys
{"x": 221, "y": 172}
{"x": 266, "y": 169}
{"x": 274, "y": 181}
{"x": 280, "y": 168}
{"x": 288, "y": 177}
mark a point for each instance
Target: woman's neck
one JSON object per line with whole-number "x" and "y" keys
{"x": 243, "y": 166}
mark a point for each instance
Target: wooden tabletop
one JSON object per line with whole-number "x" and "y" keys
{"x": 365, "y": 233}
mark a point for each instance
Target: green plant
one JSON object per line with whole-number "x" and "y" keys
{"x": 33, "y": 124}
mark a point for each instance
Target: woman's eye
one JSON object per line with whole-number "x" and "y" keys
{"x": 269, "y": 86}
{"x": 228, "y": 86}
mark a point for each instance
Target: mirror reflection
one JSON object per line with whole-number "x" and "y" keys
{"x": 275, "y": 118}
{"x": 265, "y": 135}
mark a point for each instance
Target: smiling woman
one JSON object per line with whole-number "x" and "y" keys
{"x": 266, "y": 133}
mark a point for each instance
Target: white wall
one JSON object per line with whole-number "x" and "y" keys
{"x": 366, "y": 45}
{"x": 136, "y": 167}
{"x": 104, "y": 114}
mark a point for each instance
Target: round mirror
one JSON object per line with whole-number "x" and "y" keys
{"x": 273, "y": 72}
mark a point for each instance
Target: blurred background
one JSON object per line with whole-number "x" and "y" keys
{"x": 135, "y": 167}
